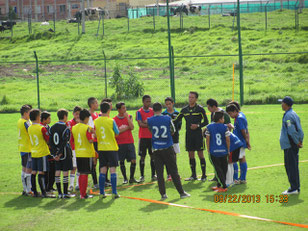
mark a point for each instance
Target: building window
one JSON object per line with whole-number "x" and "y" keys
{"x": 75, "y": 6}
{"x": 62, "y": 9}
{"x": 50, "y": 9}
{"x": 0, "y": 11}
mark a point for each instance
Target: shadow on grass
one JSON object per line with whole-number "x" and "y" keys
{"x": 23, "y": 202}
{"x": 153, "y": 207}
{"x": 292, "y": 200}
{"x": 77, "y": 204}
{"x": 142, "y": 187}
{"x": 99, "y": 204}
{"x": 54, "y": 204}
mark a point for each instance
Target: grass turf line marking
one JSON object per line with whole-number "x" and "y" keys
{"x": 218, "y": 211}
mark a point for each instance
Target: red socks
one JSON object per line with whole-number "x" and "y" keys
{"x": 83, "y": 184}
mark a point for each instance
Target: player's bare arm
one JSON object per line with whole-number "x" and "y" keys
{"x": 246, "y": 137}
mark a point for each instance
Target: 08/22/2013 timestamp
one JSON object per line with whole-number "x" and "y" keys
{"x": 251, "y": 198}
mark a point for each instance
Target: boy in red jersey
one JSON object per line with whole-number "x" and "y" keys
{"x": 145, "y": 136}
{"x": 125, "y": 141}
{"x": 70, "y": 125}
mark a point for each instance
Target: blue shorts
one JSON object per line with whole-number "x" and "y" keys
{"x": 26, "y": 160}
{"x": 40, "y": 164}
{"x": 127, "y": 152}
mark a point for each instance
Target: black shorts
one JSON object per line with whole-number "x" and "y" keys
{"x": 26, "y": 159}
{"x": 40, "y": 164}
{"x": 84, "y": 165}
{"x": 127, "y": 152}
{"x": 144, "y": 145}
{"x": 64, "y": 165}
{"x": 108, "y": 158}
{"x": 235, "y": 155}
{"x": 194, "y": 141}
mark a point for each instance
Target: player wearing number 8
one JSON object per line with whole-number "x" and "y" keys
{"x": 218, "y": 146}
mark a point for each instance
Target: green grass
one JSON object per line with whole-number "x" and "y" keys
{"x": 65, "y": 84}
{"x": 24, "y": 213}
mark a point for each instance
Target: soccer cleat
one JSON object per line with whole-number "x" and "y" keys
{"x": 60, "y": 196}
{"x": 164, "y": 197}
{"x": 125, "y": 181}
{"x": 133, "y": 180}
{"x": 203, "y": 178}
{"x": 86, "y": 196}
{"x": 237, "y": 182}
{"x": 290, "y": 192}
{"x": 221, "y": 190}
{"x": 215, "y": 188}
{"x": 96, "y": 186}
{"x": 24, "y": 193}
{"x": 71, "y": 188}
{"x": 192, "y": 178}
{"x": 77, "y": 188}
{"x": 243, "y": 182}
{"x": 214, "y": 179}
{"x": 36, "y": 194}
{"x": 141, "y": 179}
{"x": 184, "y": 195}
{"x": 169, "y": 178}
{"x": 102, "y": 196}
{"x": 107, "y": 184}
{"x": 115, "y": 196}
{"x": 67, "y": 196}
{"x": 154, "y": 178}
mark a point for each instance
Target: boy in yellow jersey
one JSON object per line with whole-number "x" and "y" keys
{"x": 39, "y": 151}
{"x": 83, "y": 136}
{"x": 106, "y": 129}
{"x": 24, "y": 146}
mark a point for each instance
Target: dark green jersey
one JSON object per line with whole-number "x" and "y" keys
{"x": 226, "y": 116}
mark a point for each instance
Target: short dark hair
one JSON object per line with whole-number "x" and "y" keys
{"x": 104, "y": 107}
{"x": 236, "y": 104}
{"x": 212, "y": 102}
{"x": 232, "y": 108}
{"x": 84, "y": 113}
{"x": 34, "y": 113}
{"x": 119, "y": 105}
{"x": 145, "y": 97}
{"x": 157, "y": 106}
{"x": 76, "y": 109}
{"x": 195, "y": 93}
{"x": 218, "y": 115}
{"x": 24, "y": 108}
{"x": 169, "y": 99}
{"x": 108, "y": 100}
{"x": 44, "y": 115}
{"x": 91, "y": 100}
{"x": 61, "y": 113}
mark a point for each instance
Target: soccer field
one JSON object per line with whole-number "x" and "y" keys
{"x": 266, "y": 176}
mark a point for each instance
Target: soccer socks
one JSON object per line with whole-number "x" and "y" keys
{"x": 94, "y": 176}
{"x": 141, "y": 162}
{"x": 28, "y": 182}
{"x": 192, "y": 162}
{"x": 203, "y": 166}
{"x": 72, "y": 179}
{"x": 113, "y": 178}
{"x": 230, "y": 173}
{"x": 41, "y": 180}
{"x": 123, "y": 169}
{"x": 243, "y": 167}
{"x": 132, "y": 170}
{"x": 77, "y": 180}
{"x": 65, "y": 184}
{"x": 58, "y": 183}
{"x": 235, "y": 166}
{"x": 152, "y": 167}
{"x": 102, "y": 180}
{"x": 83, "y": 184}
{"x": 23, "y": 181}
{"x": 33, "y": 183}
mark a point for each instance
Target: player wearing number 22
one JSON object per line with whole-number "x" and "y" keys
{"x": 218, "y": 146}
{"x": 162, "y": 128}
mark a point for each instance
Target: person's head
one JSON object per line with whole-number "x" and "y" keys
{"x": 169, "y": 103}
{"x": 25, "y": 110}
{"x": 219, "y": 117}
{"x": 92, "y": 103}
{"x": 236, "y": 104}
{"x": 62, "y": 114}
{"x": 287, "y": 103}
{"x": 232, "y": 110}
{"x": 193, "y": 97}
{"x": 157, "y": 108}
{"x": 212, "y": 105}
{"x": 146, "y": 100}
{"x": 35, "y": 115}
{"x": 45, "y": 117}
{"x": 84, "y": 116}
{"x": 121, "y": 108}
{"x": 108, "y": 100}
{"x": 105, "y": 108}
{"x": 76, "y": 112}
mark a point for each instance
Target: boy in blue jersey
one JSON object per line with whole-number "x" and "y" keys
{"x": 218, "y": 146}
{"x": 162, "y": 128}
{"x": 241, "y": 131}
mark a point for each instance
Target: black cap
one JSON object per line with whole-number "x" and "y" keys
{"x": 288, "y": 100}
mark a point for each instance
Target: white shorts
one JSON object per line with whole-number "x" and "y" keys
{"x": 176, "y": 148}
{"x": 242, "y": 153}
{"x": 74, "y": 159}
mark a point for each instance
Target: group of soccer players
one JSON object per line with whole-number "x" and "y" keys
{"x": 73, "y": 147}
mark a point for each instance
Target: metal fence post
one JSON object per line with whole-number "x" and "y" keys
{"x": 169, "y": 45}
{"x": 127, "y": 21}
{"x": 154, "y": 19}
{"x": 37, "y": 80}
{"x": 54, "y": 23}
{"x": 240, "y": 53}
{"x": 99, "y": 23}
{"x": 209, "y": 14}
{"x": 103, "y": 22}
{"x": 172, "y": 79}
{"x": 265, "y": 11}
{"x": 105, "y": 68}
